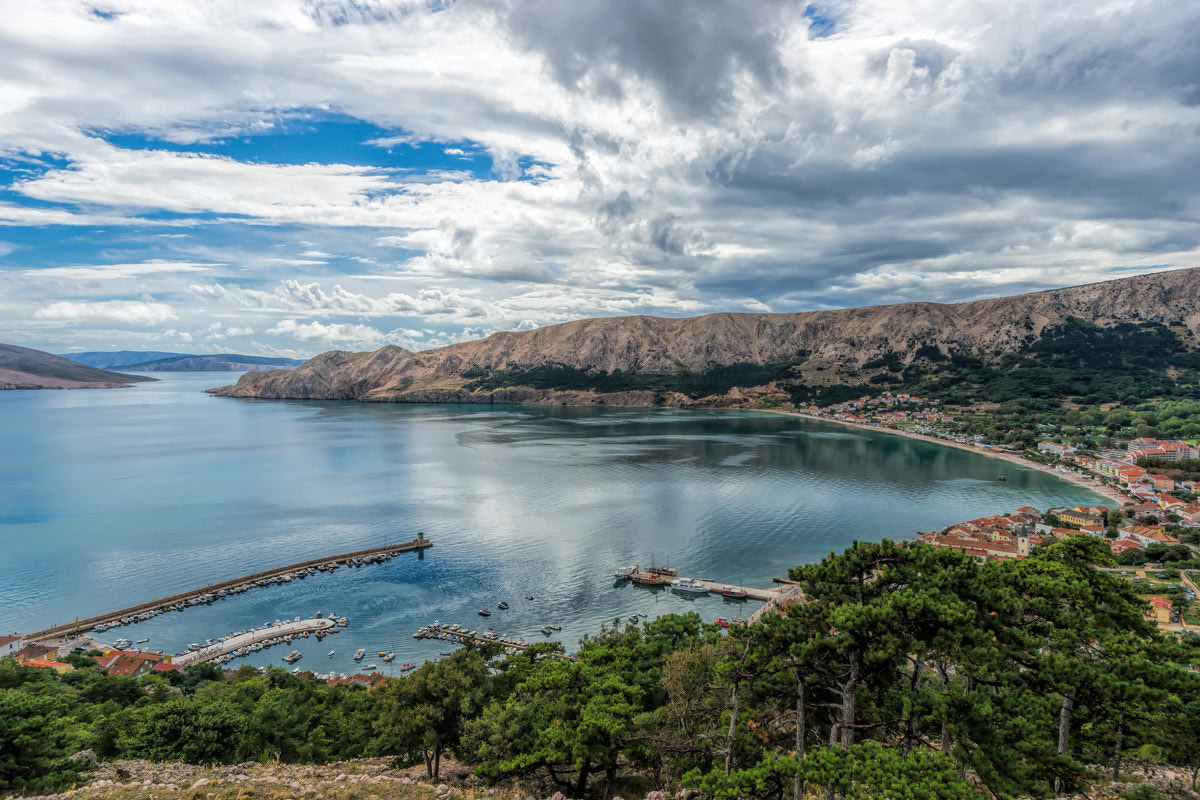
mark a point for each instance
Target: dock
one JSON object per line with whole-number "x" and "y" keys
{"x": 788, "y": 591}
{"x": 216, "y": 590}
{"x": 459, "y": 634}
{"x": 293, "y": 628}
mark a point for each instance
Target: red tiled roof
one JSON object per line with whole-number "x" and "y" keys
{"x": 41, "y": 662}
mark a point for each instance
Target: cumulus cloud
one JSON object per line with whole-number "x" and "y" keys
{"x": 340, "y": 334}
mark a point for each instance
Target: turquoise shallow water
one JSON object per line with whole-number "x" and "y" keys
{"x": 112, "y": 497}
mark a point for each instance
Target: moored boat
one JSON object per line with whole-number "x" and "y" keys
{"x": 724, "y": 623}
{"x": 688, "y": 586}
{"x": 624, "y": 572}
{"x": 359, "y": 653}
{"x": 648, "y": 579}
{"x": 483, "y": 612}
{"x": 735, "y": 592}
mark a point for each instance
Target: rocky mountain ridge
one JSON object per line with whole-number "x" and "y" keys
{"x": 545, "y": 365}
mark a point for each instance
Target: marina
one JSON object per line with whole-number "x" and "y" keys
{"x": 273, "y": 633}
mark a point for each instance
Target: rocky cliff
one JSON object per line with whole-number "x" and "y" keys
{"x": 559, "y": 363}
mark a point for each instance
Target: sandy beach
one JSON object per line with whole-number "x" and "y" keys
{"x": 1090, "y": 484}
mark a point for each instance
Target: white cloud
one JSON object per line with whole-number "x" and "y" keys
{"x": 118, "y": 271}
{"x": 337, "y": 334}
{"x": 129, "y": 311}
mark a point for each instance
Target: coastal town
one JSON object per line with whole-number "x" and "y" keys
{"x": 1153, "y": 522}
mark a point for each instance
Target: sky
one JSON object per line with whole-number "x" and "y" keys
{"x": 285, "y": 177}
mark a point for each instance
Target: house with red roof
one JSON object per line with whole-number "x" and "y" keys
{"x": 1160, "y": 608}
{"x": 134, "y": 663}
{"x": 1189, "y": 514}
{"x": 1119, "y": 546}
{"x": 9, "y": 645}
{"x": 1168, "y": 502}
{"x": 1161, "y": 483}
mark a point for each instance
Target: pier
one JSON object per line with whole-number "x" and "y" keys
{"x": 293, "y": 628}
{"x": 216, "y": 590}
{"x": 460, "y": 634}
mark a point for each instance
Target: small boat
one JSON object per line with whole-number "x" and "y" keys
{"x": 331, "y": 654}
{"x": 739, "y": 621}
{"x": 389, "y": 656}
{"x": 554, "y": 627}
{"x": 407, "y": 667}
{"x": 371, "y": 666}
{"x": 502, "y": 605}
{"x": 633, "y": 618}
{"x": 443, "y": 653}
{"x": 1002, "y": 478}
{"x": 359, "y": 653}
{"x": 382, "y": 653}
{"x": 724, "y": 623}
{"x": 736, "y": 592}
{"x": 293, "y": 656}
{"x": 547, "y": 630}
{"x": 625, "y": 572}
{"x": 295, "y": 670}
{"x": 483, "y": 612}
{"x": 142, "y": 641}
{"x": 528, "y": 597}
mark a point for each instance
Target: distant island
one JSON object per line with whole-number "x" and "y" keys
{"x": 156, "y": 361}
{"x": 25, "y": 368}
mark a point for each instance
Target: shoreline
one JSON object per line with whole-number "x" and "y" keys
{"x": 1072, "y": 477}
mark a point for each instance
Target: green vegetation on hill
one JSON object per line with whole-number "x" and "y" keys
{"x": 911, "y": 672}
{"x": 713, "y": 381}
{"x": 1077, "y": 361}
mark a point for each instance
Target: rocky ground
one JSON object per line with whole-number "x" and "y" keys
{"x": 381, "y": 779}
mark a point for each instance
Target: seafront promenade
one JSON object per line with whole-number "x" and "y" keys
{"x": 218, "y": 649}
{"x": 48, "y": 635}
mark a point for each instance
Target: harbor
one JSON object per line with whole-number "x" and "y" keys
{"x": 206, "y": 595}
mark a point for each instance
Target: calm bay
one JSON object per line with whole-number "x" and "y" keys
{"x": 111, "y": 497}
